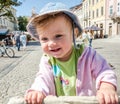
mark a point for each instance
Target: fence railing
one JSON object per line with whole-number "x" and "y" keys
{"x": 60, "y": 100}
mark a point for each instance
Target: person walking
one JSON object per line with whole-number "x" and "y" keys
{"x": 85, "y": 38}
{"x": 12, "y": 38}
{"x": 91, "y": 37}
{"x": 17, "y": 39}
{"x": 23, "y": 40}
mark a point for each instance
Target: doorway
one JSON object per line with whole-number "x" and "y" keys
{"x": 118, "y": 28}
{"x": 110, "y": 29}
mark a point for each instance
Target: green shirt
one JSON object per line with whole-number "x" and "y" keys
{"x": 65, "y": 74}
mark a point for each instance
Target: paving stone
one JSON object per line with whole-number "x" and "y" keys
{"x": 17, "y": 75}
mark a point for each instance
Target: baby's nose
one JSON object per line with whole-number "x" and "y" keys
{"x": 52, "y": 43}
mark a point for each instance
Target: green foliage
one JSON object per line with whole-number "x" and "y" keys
{"x": 22, "y": 22}
{"x": 5, "y": 6}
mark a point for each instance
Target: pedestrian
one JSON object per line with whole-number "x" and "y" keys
{"x": 6, "y": 41}
{"x": 23, "y": 40}
{"x": 66, "y": 70}
{"x": 12, "y": 38}
{"x": 85, "y": 37}
{"x": 91, "y": 37}
{"x": 17, "y": 40}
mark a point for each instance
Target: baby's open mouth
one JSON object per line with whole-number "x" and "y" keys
{"x": 55, "y": 50}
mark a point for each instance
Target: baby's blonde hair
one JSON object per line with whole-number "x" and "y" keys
{"x": 50, "y": 18}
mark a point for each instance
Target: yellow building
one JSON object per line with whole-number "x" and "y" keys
{"x": 104, "y": 14}
{"x": 95, "y": 14}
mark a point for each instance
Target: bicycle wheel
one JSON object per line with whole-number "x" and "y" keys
{"x": 9, "y": 52}
{"x": 1, "y": 54}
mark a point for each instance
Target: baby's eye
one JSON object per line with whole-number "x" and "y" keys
{"x": 44, "y": 39}
{"x": 59, "y": 36}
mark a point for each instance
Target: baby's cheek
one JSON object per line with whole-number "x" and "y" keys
{"x": 44, "y": 48}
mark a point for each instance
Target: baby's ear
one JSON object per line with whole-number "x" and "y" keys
{"x": 76, "y": 32}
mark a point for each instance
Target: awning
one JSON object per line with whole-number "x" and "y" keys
{"x": 87, "y": 28}
{"x": 94, "y": 28}
{"x": 4, "y": 31}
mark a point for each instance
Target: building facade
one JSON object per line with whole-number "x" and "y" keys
{"x": 6, "y": 23}
{"x": 101, "y": 13}
{"x": 86, "y": 12}
{"x": 114, "y": 16}
{"x": 79, "y": 12}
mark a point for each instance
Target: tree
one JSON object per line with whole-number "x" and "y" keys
{"x": 22, "y": 22}
{"x": 5, "y": 6}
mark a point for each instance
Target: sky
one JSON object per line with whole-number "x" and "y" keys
{"x": 27, "y": 5}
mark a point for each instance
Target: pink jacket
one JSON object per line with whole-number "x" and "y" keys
{"x": 92, "y": 68}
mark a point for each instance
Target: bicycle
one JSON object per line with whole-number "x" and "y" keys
{"x": 6, "y": 50}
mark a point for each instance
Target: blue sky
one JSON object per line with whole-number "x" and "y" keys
{"x": 27, "y": 5}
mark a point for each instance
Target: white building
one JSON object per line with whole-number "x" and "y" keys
{"x": 79, "y": 12}
{"x": 114, "y": 15}
{"x": 6, "y": 23}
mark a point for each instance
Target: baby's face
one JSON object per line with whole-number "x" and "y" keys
{"x": 56, "y": 38}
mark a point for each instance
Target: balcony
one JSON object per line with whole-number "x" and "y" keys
{"x": 115, "y": 17}
{"x": 86, "y": 18}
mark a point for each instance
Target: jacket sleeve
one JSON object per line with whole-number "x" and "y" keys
{"x": 101, "y": 70}
{"x": 44, "y": 80}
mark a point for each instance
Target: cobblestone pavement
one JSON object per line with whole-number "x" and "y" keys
{"x": 7, "y": 63}
{"x": 21, "y": 72}
{"x": 109, "y": 48}
{"x": 22, "y": 69}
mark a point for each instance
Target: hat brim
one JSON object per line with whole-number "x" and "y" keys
{"x": 31, "y": 29}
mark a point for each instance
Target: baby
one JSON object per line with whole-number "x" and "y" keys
{"x": 65, "y": 69}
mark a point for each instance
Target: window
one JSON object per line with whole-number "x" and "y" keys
{"x": 89, "y": 2}
{"x": 110, "y": 23}
{"x": 93, "y": 14}
{"x": 92, "y": 2}
{"x": 111, "y": 9}
{"x": 96, "y": 1}
{"x": 97, "y": 13}
{"x": 89, "y": 14}
{"x": 86, "y": 5}
{"x": 118, "y": 7}
{"x": 89, "y": 23}
{"x": 4, "y": 21}
{"x": 102, "y": 11}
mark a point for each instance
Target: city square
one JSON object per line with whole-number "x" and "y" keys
{"x": 16, "y": 81}
{"x": 26, "y": 33}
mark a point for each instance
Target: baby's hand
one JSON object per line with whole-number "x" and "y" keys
{"x": 34, "y": 97}
{"x": 107, "y": 94}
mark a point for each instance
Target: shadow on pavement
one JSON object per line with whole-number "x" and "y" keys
{"x": 10, "y": 58}
{"x": 30, "y": 50}
{"x": 33, "y": 43}
{"x": 17, "y": 56}
{"x": 98, "y": 48}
